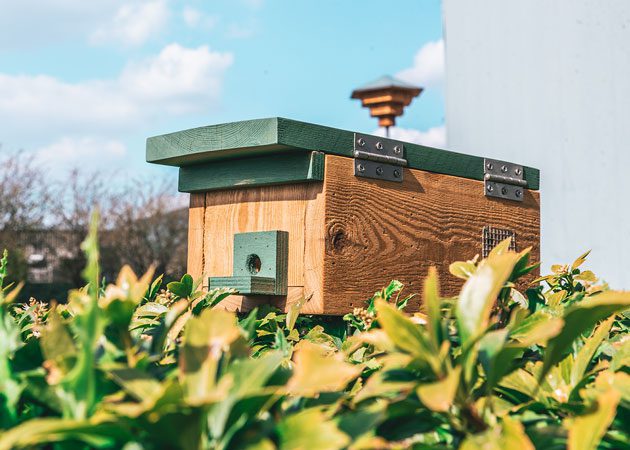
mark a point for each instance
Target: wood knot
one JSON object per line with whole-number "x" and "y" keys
{"x": 338, "y": 239}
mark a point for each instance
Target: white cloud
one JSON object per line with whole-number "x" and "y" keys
{"x": 240, "y": 31}
{"x": 134, "y": 23}
{"x": 178, "y": 80}
{"x": 191, "y": 16}
{"x": 428, "y": 66}
{"x": 194, "y": 18}
{"x": 93, "y": 153}
{"x": 54, "y": 20}
{"x": 433, "y": 137}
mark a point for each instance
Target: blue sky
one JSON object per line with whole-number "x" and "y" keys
{"x": 83, "y": 83}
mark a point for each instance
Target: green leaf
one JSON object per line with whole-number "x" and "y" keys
{"x": 294, "y": 312}
{"x": 432, "y": 305}
{"x": 99, "y": 432}
{"x": 183, "y": 288}
{"x": 586, "y": 431}
{"x": 479, "y": 294}
{"x": 580, "y": 260}
{"x": 318, "y": 369}
{"x": 462, "y": 269}
{"x": 79, "y": 384}
{"x": 405, "y": 334}
{"x": 586, "y": 353}
{"x": 508, "y": 435}
{"x": 311, "y": 428}
{"x": 206, "y": 338}
{"x": 439, "y": 396}
{"x": 580, "y": 317}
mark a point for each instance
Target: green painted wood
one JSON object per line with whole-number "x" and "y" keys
{"x": 280, "y": 168}
{"x": 270, "y": 136}
{"x": 245, "y": 285}
{"x": 260, "y": 264}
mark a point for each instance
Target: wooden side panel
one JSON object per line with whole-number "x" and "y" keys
{"x": 297, "y": 209}
{"x": 196, "y": 217}
{"x": 376, "y": 231}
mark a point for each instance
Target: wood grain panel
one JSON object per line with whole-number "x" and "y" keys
{"x": 376, "y": 231}
{"x": 196, "y": 216}
{"x": 286, "y": 208}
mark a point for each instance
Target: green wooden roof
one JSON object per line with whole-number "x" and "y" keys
{"x": 260, "y": 137}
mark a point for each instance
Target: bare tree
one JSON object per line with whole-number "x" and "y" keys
{"x": 24, "y": 193}
{"x": 143, "y": 222}
{"x": 24, "y": 205}
{"x": 149, "y": 226}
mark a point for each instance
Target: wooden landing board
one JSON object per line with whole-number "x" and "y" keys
{"x": 377, "y": 231}
{"x": 297, "y": 209}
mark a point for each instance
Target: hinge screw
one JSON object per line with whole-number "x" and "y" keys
{"x": 396, "y": 173}
{"x": 518, "y": 171}
{"x": 504, "y": 168}
{"x": 379, "y": 145}
{"x": 361, "y": 168}
{"x": 489, "y": 166}
{"x": 397, "y": 149}
{"x": 517, "y": 193}
{"x": 361, "y": 142}
{"x": 379, "y": 171}
{"x": 489, "y": 187}
{"x": 504, "y": 191}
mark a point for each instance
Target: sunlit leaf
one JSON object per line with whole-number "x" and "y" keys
{"x": 317, "y": 369}
{"x": 580, "y": 260}
{"x": 439, "y": 395}
{"x": 206, "y": 339}
{"x": 432, "y": 305}
{"x": 580, "y": 317}
{"x": 479, "y": 294}
{"x": 508, "y": 435}
{"x": 586, "y": 431}
{"x": 586, "y": 353}
{"x": 311, "y": 429}
{"x": 462, "y": 269}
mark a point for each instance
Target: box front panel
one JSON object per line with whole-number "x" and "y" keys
{"x": 376, "y": 231}
{"x": 296, "y": 209}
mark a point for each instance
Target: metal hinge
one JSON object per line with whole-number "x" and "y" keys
{"x": 503, "y": 180}
{"x": 379, "y": 158}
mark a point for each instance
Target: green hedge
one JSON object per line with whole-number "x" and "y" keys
{"x": 132, "y": 365}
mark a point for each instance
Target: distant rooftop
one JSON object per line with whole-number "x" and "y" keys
{"x": 385, "y": 82}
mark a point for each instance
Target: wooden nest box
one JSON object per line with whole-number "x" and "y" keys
{"x": 282, "y": 210}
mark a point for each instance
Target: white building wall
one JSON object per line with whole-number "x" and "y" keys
{"x": 546, "y": 83}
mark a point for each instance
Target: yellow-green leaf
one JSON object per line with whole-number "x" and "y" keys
{"x": 480, "y": 292}
{"x": 431, "y": 303}
{"x": 586, "y": 431}
{"x": 584, "y": 356}
{"x": 580, "y": 260}
{"x": 462, "y": 269}
{"x": 508, "y": 435}
{"x": 318, "y": 369}
{"x": 311, "y": 429}
{"x": 580, "y": 317}
{"x": 206, "y": 338}
{"x": 439, "y": 396}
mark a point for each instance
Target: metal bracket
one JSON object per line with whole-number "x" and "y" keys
{"x": 503, "y": 180}
{"x": 378, "y": 158}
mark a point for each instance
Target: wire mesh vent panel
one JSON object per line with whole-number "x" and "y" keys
{"x": 492, "y": 236}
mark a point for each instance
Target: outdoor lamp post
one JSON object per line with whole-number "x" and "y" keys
{"x": 386, "y": 98}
